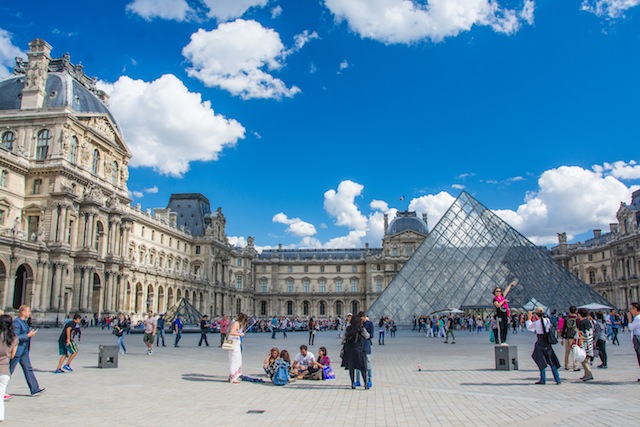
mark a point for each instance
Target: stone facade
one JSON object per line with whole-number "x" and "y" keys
{"x": 608, "y": 262}
{"x": 71, "y": 242}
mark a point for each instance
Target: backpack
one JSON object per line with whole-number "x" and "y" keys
{"x": 569, "y": 330}
{"x": 281, "y": 377}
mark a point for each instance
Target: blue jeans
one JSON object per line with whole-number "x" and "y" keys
{"x": 25, "y": 362}
{"x": 178, "y": 336}
{"x": 160, "y": 334}
{"x": 121, "y": 344}
{"x": 369, "y": 370}
{"x": 381, "y": 337}
{"x": 556, "y": 374}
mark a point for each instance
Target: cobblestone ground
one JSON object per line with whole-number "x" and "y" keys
{"x": 457, "y": 386}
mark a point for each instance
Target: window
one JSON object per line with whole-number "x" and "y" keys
{"x": 95, "y": 166}
{"x": 354, "y": 285}
{"x": 354, "y": 268}
{"x": 290, "y": 285}
{"x": 590, "y": 257}
{"x": 323, "y": 308}
{"x": 378, "y": 267}
{"x": 354, "y": 306}
{"x": 33, "y": 222}
{"x": 289, "y": 269}
{"x": 305, "y": 285}
{"x": 3, "y": 178}
{"x": 338, "y": 285}
{"x": 238, "y": 282}
{"x": 323, "y": 285}
{"x": 197, "y": 249}
{"x": 408, "y": 249}
{"x": 338, "y": 308}
{"x": 69, "y": 232}
{"x": 337, "y": 269}
{"x": 238, "y": 306}
{"x": 263, "y": 268}
{"x": 239, "y": 262}
{"x": 3, "y": 215}
{"x": 153, "y": 234}
{"x": 142, "y": 231}
{"x": 73, "y": 151}
{"x": 263, "y": 285}
{"x": 603, "y": 255}
{"x": 161, "y": 239}
{"x": 305, "y": 308}
{"x": 604, "y": 274}
{"x": 8, "y": 139}
{"x": 184, "y": 247}
{"x": 378, "y": 284}
{"x": 114, "y": 173}
{"x": 42, "y": 146}
{"x": 263, "y": 308}
{"x": 306, "y": 268}
{"x": 289, "y": 308}
{"x": 37, "y": 186}
{"x": 322, "y": 269}
{"x": 394, "y": 251}
{"x": 592, "y": 277}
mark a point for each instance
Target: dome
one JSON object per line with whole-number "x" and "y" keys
{"x": 407, "y": 221}
{"x": 61, "y": 89}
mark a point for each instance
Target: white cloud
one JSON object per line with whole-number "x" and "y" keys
{"x": 434, "y": 205}
{"x": 407, "y": 21}
{"x": 611, "y": 9}
{"x": 568, "y": 199}
{"x": 457, "y": 186}
{"x": 343, "y": 65}
{"x": 136, "y": 194}
{"x": 226, "y": 10}
{"x": 166, "y": 126}
{"x": 8, "y": 54}
{"x": 177, "y": 10}
{"x": 379, "y": 205}
{"x": 233, "y": 57}
{"x": 299, "y": 40}
{"x": 341, "y": 205}
{"x": 515, "y": 179}
{"x": 276, "y": 11}
{"x": 237, "y": 241}
{"x": 466, "y": 175}
{"x": 297, "y": 227}
{"x": 151, "y": 190}
{"x": 620, "y": 169}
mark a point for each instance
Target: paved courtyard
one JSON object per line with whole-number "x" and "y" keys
{"x": 458, "y": 386}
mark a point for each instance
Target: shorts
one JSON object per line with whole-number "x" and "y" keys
{"x": 67, "y": 350}
{"x": 148, "y": 338}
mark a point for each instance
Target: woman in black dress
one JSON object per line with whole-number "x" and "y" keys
{"x": 353, "y": 350}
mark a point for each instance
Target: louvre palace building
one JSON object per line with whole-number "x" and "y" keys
{"x": 70, "y": 240}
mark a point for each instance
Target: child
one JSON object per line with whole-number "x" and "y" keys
{"x": 66, "y": 346}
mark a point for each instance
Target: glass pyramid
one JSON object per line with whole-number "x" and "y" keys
{"x": 468, "y": 253}
{"x": 190, "y": 315}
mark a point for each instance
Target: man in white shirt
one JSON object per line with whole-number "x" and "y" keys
{"x": 302, "y": 362}
{"x": 634, "y": 327}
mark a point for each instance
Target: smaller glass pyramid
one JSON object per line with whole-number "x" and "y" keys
{"x": 190, "y": 315}
{"x": 468, "y": 253}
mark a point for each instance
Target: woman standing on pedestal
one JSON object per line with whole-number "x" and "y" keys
{"x": 236, "y": 332}
{"x": 501, "y": 303}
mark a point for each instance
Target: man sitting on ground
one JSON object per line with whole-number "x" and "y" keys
{"x": 302, "y": 362}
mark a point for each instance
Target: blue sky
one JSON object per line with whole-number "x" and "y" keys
{"x": 306, "y": 121}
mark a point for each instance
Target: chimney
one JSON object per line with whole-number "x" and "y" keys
{"x": 33, "y": 93}
{"x": 597, "y": 233}
{"x": 613, "y": 227}
{"x": 279, "y": 246}
{"x": 424, "y": 218}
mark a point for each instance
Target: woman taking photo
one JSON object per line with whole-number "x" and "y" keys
{"x": 121, "y": 328}
{"x": 543, "y": 353}
{"x": 236, "y": 332}
{"x": 354, "y": 356}
{"x": 8, "y": 347}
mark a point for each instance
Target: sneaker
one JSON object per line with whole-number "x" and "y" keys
{"x": 357, "y": 384}
{"x": 576, "y": 369}
{"x": 58, "y": 371}
{"x": 369, "y": 384}
{"x": 589, "y": 378}
{"x": 37, "y": 393}
{"x": 8, "y": 396}
{"x": 68, "y": 368}
{"x": 149, "y": 352}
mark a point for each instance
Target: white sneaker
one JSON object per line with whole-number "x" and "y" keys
{"x": 149, "y": 352}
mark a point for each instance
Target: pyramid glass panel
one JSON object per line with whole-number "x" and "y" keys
{"x": 469, "y": 252}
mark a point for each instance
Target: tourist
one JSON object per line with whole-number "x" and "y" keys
{"x": 368, "y": 326}
{"x": 284, "y": 323}
{"x": 600, "y": 336}
{"x": 634, "y": 327}
{"x": 479, "y": 325}
{"x": 236, "y": 332}
{"x": 353, "y": 351}
{"x": 224, "y": 328}
{"x": 615, "y": 327}
{"x": 66, "y": 346}
{"x": 340, "y": 326}
{"x": 22, "y": 330}
{"x": 381, "y": 329}
{"x": 501, "y": 303}
{"x": 312, "y": 330}
{"x": 441, "y": 327}
{"x": 8, "y": 348}
{"x": 322, "y": 362}
{"x": 177, "y": 329}
{"x": 150, "y": 329}
{"x": 585, "y": 340}
{"x": 121, "y": 328}
{"x": 449, "y": 329}
{"x": 569, "y": 335}
{"x": 543, "y": 353}
{"x": 204, "y": 325}
{"x": 160, "y": 325}
{"x": 271, "y": 362}
{"x": 303, "y": 363}
{"x": 274, "y": 327}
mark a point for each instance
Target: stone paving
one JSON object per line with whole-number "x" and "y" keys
{"x": 457, "y": 386}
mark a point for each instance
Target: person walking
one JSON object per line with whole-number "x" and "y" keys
{"x": 150, "y": 329}
{"x": 600, "y": 336}
{"x": 204, "y": 325}
{"x": 615, "y": 327}
{"x": 177, "y": 329}
{"x": 569, "y": 336}
{"x": 224, "y": 328}
{"x": 312, "y": 331}
{"x": 236, "y": 332}
{"x": 585, "y": 340}
{"x": 353, "y": 350}
{"x": 8, "y": 348}
{"x": 160, "y": 325}
{"x": 274, "y": 327}
{"x": 543, "y": 353}
{"x": 501, "y": 303}
{"x": 121, "y": 328}
{"x": 449, "y": 329}
{"x": 381, "y": 330}
{"x": 22, "y": 330}
{"x": 634, "y": 327}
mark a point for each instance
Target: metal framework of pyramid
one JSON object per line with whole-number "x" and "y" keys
{"x": 468, "y": 253}
{"x": 190, "y": 315}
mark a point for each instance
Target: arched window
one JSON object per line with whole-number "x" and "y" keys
{"x": 73, "y": 151}
{"x": 8, "y": 138}
{"x": 338, "y": 308}
{"x": 322, "y": 308}
{"x": 95, "y": 166}
{"x": 354, "y": 306}
{"x": 42, "y": 147}
{"x": 114, "y": 173}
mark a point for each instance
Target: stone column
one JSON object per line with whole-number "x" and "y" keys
{"x": 55, "y": 223}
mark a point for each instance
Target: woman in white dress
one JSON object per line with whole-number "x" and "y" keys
{"x": 236, "y": 332}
